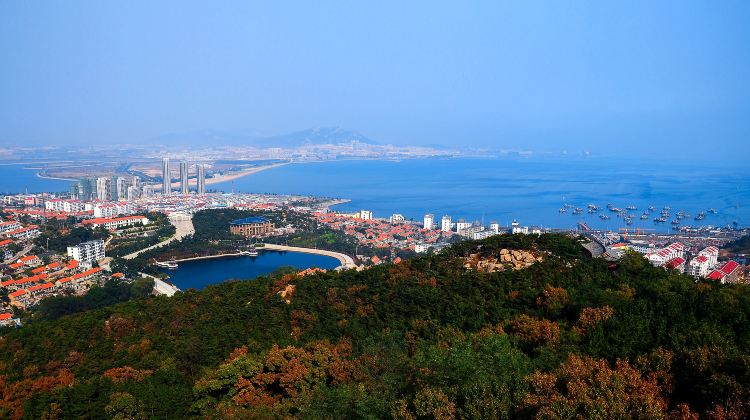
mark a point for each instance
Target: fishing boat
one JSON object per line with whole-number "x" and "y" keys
{"x": 172, "y": 265}
{"x": 563, "y": 210}
{"x": 644, "y": 216}
{"x": 675, "y": 222}
{"x": 604, "y": 217}
{"x": 631, "y": 207}
{"x": 250, "y": 253}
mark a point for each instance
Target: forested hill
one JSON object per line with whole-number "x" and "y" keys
{"x": 443, "y": 336}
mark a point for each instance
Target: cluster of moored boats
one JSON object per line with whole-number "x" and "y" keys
{"x": 627, "y": 213}
{"x": 172, "y": 264}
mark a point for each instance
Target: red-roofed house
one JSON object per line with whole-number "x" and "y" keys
{"x": 31, "y": 260}
{"x": 727, "y": 272}
{"x": 676, "y": 264}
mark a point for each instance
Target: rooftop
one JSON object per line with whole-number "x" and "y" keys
{"x": 250, "y": 220}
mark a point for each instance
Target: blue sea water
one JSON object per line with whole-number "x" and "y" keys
{"x": 20, "y": 178}
{"x": 198, "y": 274}
{"x": 528, "y": 190}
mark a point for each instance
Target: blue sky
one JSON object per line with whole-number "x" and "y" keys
{"x": 628, "y": 78}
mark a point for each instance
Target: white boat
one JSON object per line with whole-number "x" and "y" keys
{"x": 250, "y": 253}
{"x": 172, "y": 265}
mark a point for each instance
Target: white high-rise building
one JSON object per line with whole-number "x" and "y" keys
{"x": 365, "y": 214}
{"x": 134, "y": 193}
{"x": 121, "y": 187}
{"x": 147, "y": 191}
{"x": 103, "y": 188}
{"x": 201, "y": 189}
{"x": 87, "y": 252}
{"x": 446, "y": 224}
{"x": 429, "y": 221}
{"x": 166, "y": 183}
{"x": 184, "y": 175}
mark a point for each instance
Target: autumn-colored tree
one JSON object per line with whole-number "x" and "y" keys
{"x": 535, "y": 331}
{"x": 281, "y": 377}
{"x": 583, "y": 387}
{"x": 553, "y": 299}
{"x": 590, "y": 317}
{"x": 127, "y": 373}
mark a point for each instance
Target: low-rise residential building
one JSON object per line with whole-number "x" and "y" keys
{"x": 727, "y": 272}
{"x": 28, "y": 232}
{"x": 116, "y": 222}
{"x": 661, "y": 256}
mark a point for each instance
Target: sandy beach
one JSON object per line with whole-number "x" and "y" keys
{"x": 240, "y": 174}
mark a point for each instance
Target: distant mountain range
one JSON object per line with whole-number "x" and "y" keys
{"x": 312, "y": 136}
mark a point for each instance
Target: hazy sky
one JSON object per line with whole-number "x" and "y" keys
{"x": 671, "y": 77}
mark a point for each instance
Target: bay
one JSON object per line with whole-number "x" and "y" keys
{"x": 528, "y": 190}
{"x": 197, "y": 274}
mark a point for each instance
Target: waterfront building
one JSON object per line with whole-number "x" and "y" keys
{"x": 201, "y": 184}
{"x": 397, "y": 218}
{"x": 184, "y": 175}
{"x": 516, "y": 227}
{"x": 365, "y": 214}
{"x": 462, "y": 224}
{"x": 166, "y": 182}
{"x": 429, "y": 222}
{"x": 445, "y": 224}
{"x": 495, "y": 227}
{"x": 251, "y": 226}
{"x": 87, "y": 252}
{"x": 103, "y": 188}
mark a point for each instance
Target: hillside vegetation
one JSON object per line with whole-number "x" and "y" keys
{"x": 427, "y": 338}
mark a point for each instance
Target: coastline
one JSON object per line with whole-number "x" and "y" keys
{"x": 240, "y": 174}
{"x": 40, "y": 175}
{"x": 344, "y": 260}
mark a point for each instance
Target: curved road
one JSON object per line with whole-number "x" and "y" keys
{"x": 345, "y": 260}
{"x": 184, "y": 226}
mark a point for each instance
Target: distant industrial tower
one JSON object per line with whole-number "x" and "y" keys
{"x": 446, "y": 224}
{"x": 429, "y": 221}
{"x": 184, "y": 186}
{"x": 201, "y": 179}
{"x": 166, "y": 183}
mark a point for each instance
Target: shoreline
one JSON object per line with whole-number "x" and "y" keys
{"x": 345, "y": 261}
{"x": 40, "y": 175}
{"x": 236, "y": 175}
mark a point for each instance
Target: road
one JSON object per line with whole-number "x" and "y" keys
{"x": 345, "y": 260}
{"x": 161, "y": 287}
{"x": 183, "y": 224}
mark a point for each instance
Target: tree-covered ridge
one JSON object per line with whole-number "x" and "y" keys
{"x": 425, "y": 338}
